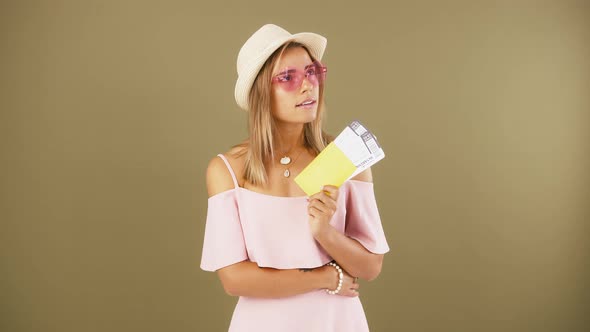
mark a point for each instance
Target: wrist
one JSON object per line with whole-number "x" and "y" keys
{"x": 340, "y": 276}
{"x": 329, "y": 278}
{"x": 320, "y": 230}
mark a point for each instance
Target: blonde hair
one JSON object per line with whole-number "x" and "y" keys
{"x": 261, "y": 124}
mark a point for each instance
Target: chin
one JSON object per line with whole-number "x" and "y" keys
{"x": 311, "y": 116}
{"x": 299, "y": 116}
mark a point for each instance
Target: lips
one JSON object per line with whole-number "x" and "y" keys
{"x": 306, "y": 102}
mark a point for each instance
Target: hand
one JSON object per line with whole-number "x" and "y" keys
{"x": 322, "y": 207}
{"x": 350, "y": 285}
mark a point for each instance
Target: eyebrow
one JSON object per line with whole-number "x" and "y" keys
{"x": 293, "y": 70}
{"x": 287, "y": 71}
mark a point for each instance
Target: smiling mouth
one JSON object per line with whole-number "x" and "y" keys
{"x": 306, "y": 103}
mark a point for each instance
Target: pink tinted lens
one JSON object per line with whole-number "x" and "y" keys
{"x": 321, "y": 71}
{"x": 291, "y": 79}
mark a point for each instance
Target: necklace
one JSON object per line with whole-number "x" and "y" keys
{"x": 287, "y": 172}
{"x": 286, "y": 160}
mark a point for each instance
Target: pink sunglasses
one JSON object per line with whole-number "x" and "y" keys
{"x": 290, "y": 79}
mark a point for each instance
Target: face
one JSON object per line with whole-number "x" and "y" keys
{"x": 295, "y": 87}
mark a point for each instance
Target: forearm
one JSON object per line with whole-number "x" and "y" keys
{"x": 349, "y": 253}
{"x": 247, "y": 279}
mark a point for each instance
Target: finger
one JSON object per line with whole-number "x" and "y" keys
{"x": 318, "y": 199}
{"x": 331, "y": 191}
{"x": 330, "y": 201}
{"x": 317, "y": 205}
{"x": 328, "y": 207}
{"x": 325, "y": 197}
{"x": 326, "y": 200}
{"x": 315, "y": 195}
{"x": 325, "y": 208}
{"x": 315, "y": 200}
{"x": 351, "y": 293}
{"x": 314, "y": 211}
{"x": 322, "y": 196}
{"x": 331, "y": 205}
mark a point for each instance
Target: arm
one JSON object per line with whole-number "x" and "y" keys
{"x": 348, "y": 252}
{"x": 245, "y": 278}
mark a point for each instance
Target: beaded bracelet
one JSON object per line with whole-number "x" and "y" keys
{"x": 340, "y": 278}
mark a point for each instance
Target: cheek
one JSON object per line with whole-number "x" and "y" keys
{"x": 282, "y": 100}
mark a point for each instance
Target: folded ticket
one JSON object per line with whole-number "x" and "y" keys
{"x": 353, "y": 151}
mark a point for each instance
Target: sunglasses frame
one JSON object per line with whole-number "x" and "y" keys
{"x": 295, "y": 83}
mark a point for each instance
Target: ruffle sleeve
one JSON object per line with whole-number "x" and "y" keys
{"x": 223, "y": 242}
{"x": 363, "y": 222}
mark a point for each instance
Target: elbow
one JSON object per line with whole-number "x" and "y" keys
{"x": 375, "y": 269}
{"x": 373, "y": 274}
{"x": 229, "y": 285}
{"x": 229, "y": 289}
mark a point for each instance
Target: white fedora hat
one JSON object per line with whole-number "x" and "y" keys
{"x": 260, "y": 46}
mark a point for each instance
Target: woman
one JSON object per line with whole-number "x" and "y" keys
{"x": 293, "y": 260}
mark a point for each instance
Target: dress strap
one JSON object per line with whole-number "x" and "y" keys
{"x": 231, "y": 171}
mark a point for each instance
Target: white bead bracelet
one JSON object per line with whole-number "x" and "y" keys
{"x": 340, "y": 278}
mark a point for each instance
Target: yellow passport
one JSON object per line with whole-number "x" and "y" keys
{"x": 330, "y": 167}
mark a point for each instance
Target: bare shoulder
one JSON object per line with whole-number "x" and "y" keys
{"x": 365, "y": 176}
{"x": 236, "y": 156}
{"x": 219, "y": 178}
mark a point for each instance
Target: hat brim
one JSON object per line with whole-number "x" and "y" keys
{"x": 314, "y": 42}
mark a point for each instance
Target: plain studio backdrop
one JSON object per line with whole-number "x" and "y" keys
{"x": 110, "y": 111}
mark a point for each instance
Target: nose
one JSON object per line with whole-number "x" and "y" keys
{"x": 306, "y": 84}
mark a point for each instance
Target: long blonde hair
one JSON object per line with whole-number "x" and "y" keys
{"x": 262, "y": 126}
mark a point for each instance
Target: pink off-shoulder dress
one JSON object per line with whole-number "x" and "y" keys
{"x": 274, "y": 232}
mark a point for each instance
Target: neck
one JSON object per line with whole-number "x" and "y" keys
{"x": 289, "y": 139}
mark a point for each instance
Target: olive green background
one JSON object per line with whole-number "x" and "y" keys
{"x": 110, "y": 111}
